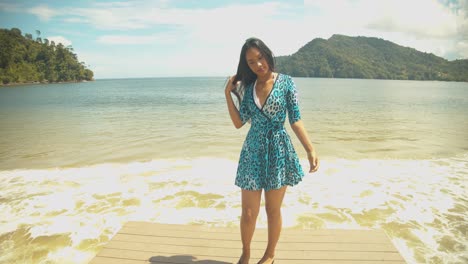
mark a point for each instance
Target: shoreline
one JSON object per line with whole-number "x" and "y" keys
{"x": 175, "y": 77}
{"x": 39, "y": 83}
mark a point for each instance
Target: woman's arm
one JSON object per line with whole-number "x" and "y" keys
{"x": 233, "y": 112}
{"x": 301, "y": 133}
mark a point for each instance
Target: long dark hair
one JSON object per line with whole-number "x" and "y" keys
{"x": 244, "y": 73}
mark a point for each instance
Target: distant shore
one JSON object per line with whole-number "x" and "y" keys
{"x": 36, "y": 83}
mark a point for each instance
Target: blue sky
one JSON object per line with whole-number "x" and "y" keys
{"x": 156, "y": 38}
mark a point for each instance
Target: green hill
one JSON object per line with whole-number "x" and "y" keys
{"x": 25, "y": 60}
{"x": 369, "y": 58}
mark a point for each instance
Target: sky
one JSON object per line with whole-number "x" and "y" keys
{"x": 172, "y": 38}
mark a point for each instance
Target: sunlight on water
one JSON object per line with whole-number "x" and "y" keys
{"x": 67, "y": 215}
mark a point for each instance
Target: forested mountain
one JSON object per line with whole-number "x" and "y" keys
{"x": 369, "y": 58}
{"x": 26, "y": 60}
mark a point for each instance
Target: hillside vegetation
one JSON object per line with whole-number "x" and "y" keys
{"x": 27, "y": 60}
{"x": 369, "y": 58}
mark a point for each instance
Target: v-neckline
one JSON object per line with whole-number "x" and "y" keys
{"x": 268, "y": 96}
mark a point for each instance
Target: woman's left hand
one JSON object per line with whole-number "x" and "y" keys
{"x": 313, "y": 161}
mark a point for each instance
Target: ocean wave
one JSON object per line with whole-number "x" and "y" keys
{"x": 56, "y": 215}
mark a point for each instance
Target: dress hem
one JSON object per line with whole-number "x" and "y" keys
{"x": 292, "y": 184}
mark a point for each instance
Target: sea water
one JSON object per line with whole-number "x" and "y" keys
{"x": 79, "y": 160}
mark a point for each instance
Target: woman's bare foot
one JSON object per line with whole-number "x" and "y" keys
{"x": 267, "y": 260}
{"x": 244, "y": 259}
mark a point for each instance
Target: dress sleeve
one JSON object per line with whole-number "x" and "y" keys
{"x": 244, "y": 110}
{"x": 292, "y": 101}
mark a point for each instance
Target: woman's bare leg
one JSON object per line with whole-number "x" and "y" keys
{"x": 273, "y": 202}
{"x": 250, "y": 208}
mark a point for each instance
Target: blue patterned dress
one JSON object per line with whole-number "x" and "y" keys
{"x": 268, "y": 159}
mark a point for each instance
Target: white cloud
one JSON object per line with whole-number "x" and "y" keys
{"x": 140, "y": 15}
{"x": 117, "y": 18}
{"x": 75, "y": 20}
{"x": 405, "y": 21}
{"x": 420, "y": 18}
{"x": 211, "y": 38}
{"x": 133, "y": 40}
{"x": 428, "y": 26}
{"x": 462, "y": 20}
{"x": 8, "y": 7}
{"x": 132, "y": 64}
{"x": 60, "y": 39}
{"x": 43, "y": 12}
{"x": 462, "y": 46}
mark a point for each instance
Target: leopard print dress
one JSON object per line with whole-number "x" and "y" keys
{"x": 268, "y": 159}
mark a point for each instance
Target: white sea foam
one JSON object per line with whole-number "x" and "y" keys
{"x": 419, "y": 203}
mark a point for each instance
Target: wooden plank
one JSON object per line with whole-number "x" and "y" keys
{"x": 213, "y": 254}
{"x": 164, "y": 257}
{"x": 233, "y": 252}
{"x": 206, "y": 228}
{"x": 327, "y": 261}
{"x": 284, "y": 245}
{"x": 141, "y": 242}
{"x": 342, "y": 237}
{"x": 104, "y": 260}
{"x": 112, "y": 260}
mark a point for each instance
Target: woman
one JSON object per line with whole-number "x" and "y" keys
{"x": 268, "y": 160}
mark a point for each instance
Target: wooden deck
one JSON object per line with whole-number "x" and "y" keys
{"x": 141, "y": 242}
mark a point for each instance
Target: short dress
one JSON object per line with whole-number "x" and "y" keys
{"x": 268, "y": 159}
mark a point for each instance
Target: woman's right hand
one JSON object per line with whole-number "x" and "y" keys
{"x": 233, "y": 112}
{"x": 229, "y": 86}
{"x": 313, "y": 161}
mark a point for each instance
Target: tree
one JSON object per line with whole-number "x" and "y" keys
{"x": 16, "y": 32}
{"x": 23, "y": 59}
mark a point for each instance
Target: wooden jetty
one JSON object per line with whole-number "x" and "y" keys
{"x": 142, "y": 242}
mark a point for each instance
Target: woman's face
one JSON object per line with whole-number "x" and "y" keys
{"x": 257, "y": 62}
